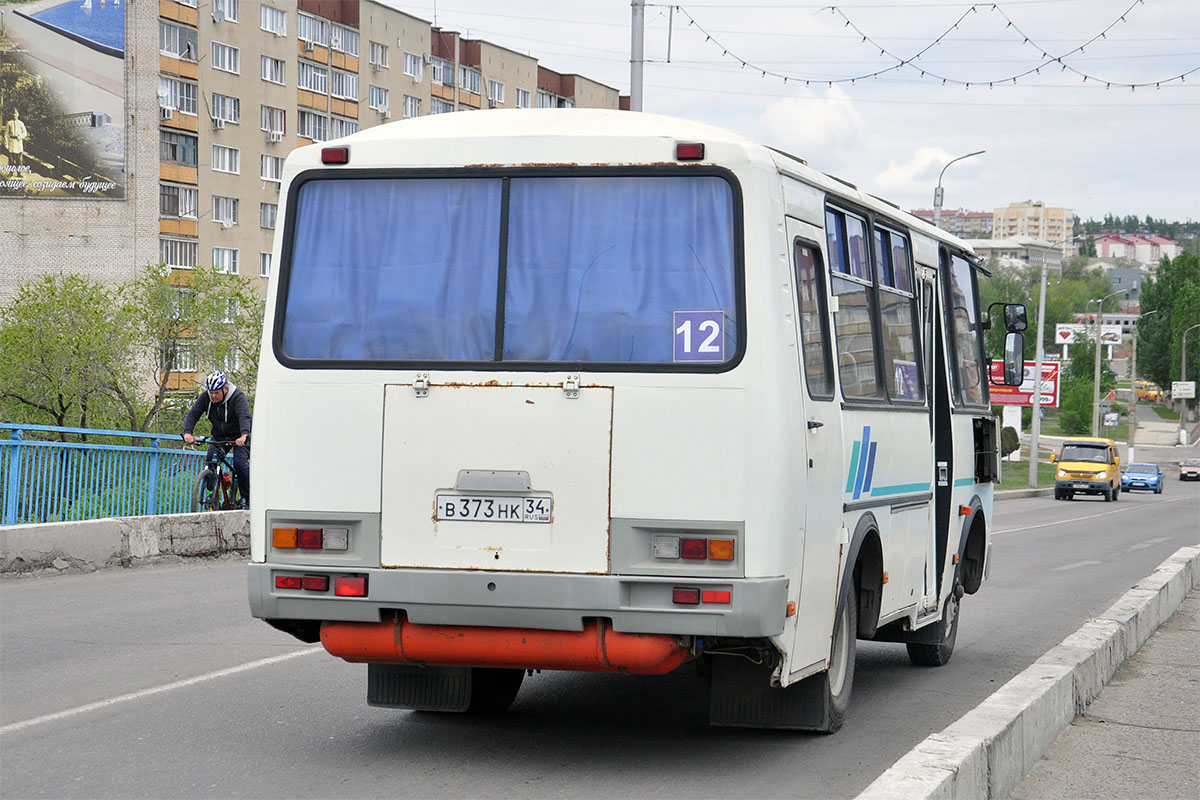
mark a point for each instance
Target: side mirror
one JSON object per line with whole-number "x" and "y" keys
{"x": 1014, "y": 360}
{"x": 1015, "y": 318}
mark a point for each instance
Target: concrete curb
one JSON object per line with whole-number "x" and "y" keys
{"x": 989, "y": 750}
{"x": 90, "y": 544}
{"x": 1016, "y": 494}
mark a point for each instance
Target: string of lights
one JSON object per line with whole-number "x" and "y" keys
{"x": 909, "y": 62}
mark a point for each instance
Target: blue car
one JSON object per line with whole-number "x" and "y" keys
{"x": 1142, "y": 476}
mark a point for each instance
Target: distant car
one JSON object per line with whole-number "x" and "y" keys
{"x": 1142, "y": 476}
{"x": 1189, "y": 470}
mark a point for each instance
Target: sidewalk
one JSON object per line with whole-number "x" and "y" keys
{"x": 1141, "y": 736}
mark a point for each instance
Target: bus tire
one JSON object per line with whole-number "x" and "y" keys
{"x": 493, "y": 690}
{"x": 831, "y": 689}
{"x": 201, "y": 498}
{"x": 937, "y": 655}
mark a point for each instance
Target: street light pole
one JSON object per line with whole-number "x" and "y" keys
{"x": 1096, "y": 376}
{"x": 937, "y": 193}
{"x": 637, "y": 57}
{"x": 1133, "y": 395}
{"x": 1183, "y": 377}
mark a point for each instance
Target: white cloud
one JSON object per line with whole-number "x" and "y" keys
{"x": 810, "y": 123}
{"x": 914, "y": 175}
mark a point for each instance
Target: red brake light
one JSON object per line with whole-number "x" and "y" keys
{"x": 288, "y": 582}
{"x": 715, "y": 596}
{"x": 693, "y": 548}
{"x": 309, "y": 538}
{"x": 350, "y": 586}
{"x": 689, "y": 597}
{"x": 316, "y": 583}
{"x": 335, "y": 155}
{"x": 689, "y": 151}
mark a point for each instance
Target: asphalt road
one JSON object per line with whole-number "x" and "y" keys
{"x": 155, "y": 682}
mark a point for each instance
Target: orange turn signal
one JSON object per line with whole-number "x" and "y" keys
{"x": 720, "y": 549}
{"x": 964, "y": 511}
{"x": 791, "y": 608}
{"x": 283, "y": 537}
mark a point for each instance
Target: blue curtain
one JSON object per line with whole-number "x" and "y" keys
{"x": 394, "y": 270}
{"x": 597, "y": 266}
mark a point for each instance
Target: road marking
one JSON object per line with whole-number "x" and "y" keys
{"x": 1076, "y": 565}
{"x": 1090, "y": 516}
{"x": 221, "y": 673}
{"x": 1148, "y": 543}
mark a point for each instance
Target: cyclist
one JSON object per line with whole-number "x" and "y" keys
{"x": 229, "y": 412}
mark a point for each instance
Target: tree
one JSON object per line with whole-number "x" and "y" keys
{"x": 1175, "y": 294}
{"x": 66, "y": 344}
{"x": 1075, "y": 404}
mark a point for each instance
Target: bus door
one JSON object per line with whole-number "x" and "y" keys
{"x": 937, "y": 389}
{"x": 823, "y": 436}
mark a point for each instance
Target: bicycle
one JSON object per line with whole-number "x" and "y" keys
{"x": 216, "y": 487}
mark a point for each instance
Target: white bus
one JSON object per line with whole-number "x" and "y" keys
{"x": 604, "y": 391}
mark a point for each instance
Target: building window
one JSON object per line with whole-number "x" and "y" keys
{"x": 312, "y": 78}
{"x": 225, "y": 259}
{"x": 225, "y": 210}
{"x": 226, "y": 58}
{"x": 468, "y": 79}
{"x": 267, "y": 213}
{"x": 180, "y": 253}
{"x": 441, "y": 71}
{"x": 522, "y": 98}
{"x": 274, "y": 20}
{"x": 271, "y": 69}
{"x": 225, "y": 10}
{"x": 414, "y": 66}
{"x": 270, "y": 168}
{"x": 176, "y": 94}
{"x": 379, "y": 55}
{"x": 264, "y": 265}
{"x": 226, "y": 159}
{"x": 546, "y": 100}
{"x": 226, "y": 108}
{"x": 412, "y": 106}
{"x": 176, "y": 201}
{"x": 231, "y": 362}
{"x": 344, "y": 40}
{"x": 312, "y": 29}
{"x": 377, "y": 98}
{"x": 344, "y": 85}
{"x": 184, "y": 360}
{"x": 342, "y": 126}
{"x": 273, "y": 120}
{"x": 176, "y": 41}
{"x": 312, "y": 126}
{"x": 177, "y": 148}
{"x": 438, "y": 106}
{"x": 496, "y": 92}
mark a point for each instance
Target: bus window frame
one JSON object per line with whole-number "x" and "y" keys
{"x": 504, "y": 174}
{"x": 835, "y": 206}
{"x": 883, "y": 224}
{"x": 945, "y": 254}
{"x": 822, "y": 310}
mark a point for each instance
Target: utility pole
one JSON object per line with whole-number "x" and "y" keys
{"x": 1096, "y": 376}
{"x": 637, "y": 54}
{"x": 1183, "y": 377}
{"x": 1133, "y": 395}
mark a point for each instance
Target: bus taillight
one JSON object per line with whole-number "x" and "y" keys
{"x": 335, "y": 155}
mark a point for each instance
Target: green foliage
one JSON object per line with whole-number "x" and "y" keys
{"x": 1075, "y": 408}
{"x": 1010, "y": 442}
{"x": 67, "y": 352}
{"x": 1175, "y": 295}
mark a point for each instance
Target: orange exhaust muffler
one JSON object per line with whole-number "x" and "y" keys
{"x": 597, "y": 648}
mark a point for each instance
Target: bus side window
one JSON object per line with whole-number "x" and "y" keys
{"x": 962, "y": 320}
{"x": 898, "y": 317}
{"x": 850, "y": 275}
{"x": 814, "y": 334}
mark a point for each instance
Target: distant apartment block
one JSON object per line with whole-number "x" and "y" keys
{"x": 962, "y": 223}
{"x": 1036, "y": 220}
{"x": 1018, "y": 251}
{"x": 1142, "y": 249}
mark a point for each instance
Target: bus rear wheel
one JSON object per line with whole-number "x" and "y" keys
{"x": 493, "y": 690}
{"x": 937, "y": 655}
{"x": 829, "y": 691}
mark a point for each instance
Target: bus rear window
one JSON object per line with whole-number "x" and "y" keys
{"x": 595, "y": 269}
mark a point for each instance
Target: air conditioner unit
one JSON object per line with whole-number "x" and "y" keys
{"x": 428, "y": 58}
{"x": 226, "y": 224}
{"x": 491, "y": 102}
{"x": 274, "y": 136}
{"x": 308, "y": 46}
{"x": 166, "y": 112}
{"x": 218, "y": 124}
{"x": 386, "y": 114}
{"x": 375, "y": 67}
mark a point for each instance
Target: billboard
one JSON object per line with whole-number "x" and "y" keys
{"x": 1069, "y": 333}
{"x": 62, "y": 99}
{"x": 1023, "y": 395}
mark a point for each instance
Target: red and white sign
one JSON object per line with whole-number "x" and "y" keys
{"x": 1023, "y": 395}
{"x": 1069, "y": 333}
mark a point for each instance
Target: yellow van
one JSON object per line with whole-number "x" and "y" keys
{"x": 1087, "y": 466}
{"x": 1148, "y": 390}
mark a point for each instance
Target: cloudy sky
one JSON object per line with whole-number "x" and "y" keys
{"x": 1093, "y": 145}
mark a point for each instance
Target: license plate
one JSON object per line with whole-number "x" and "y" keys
{"x": 1083, "y": 486}
{"x": 494, "y": 508}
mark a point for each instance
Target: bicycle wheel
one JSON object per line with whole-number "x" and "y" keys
{"x": 204, "y": 491}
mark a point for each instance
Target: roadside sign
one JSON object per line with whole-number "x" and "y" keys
{"x": 1070, "y": 333}
{"x": 1023, "y": 395}
{"x": 1110, "y": 419}
{"x": 1183, "y": 390}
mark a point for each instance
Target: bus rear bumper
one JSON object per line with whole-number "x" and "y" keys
{"x": 752, "y": 607}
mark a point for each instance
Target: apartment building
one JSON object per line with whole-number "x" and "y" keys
{"x": 233, "y": 87}
{"x": 1142, "y": 249}
{"x": 1036, "y": 220}
{"x": 960, "y": 222}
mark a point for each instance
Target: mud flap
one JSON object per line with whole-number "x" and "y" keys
{"x": 421, "y": 688}
{"x": 742, "y": 696}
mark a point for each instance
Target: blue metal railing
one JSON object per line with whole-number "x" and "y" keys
{"x": 54, "y": 481}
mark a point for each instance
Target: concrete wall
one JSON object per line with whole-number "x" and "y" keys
{"x": 96, "y": 543}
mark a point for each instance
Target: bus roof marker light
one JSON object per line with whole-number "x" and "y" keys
{"x": 689, "y": 151}
{"x": 335, "y": 155}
